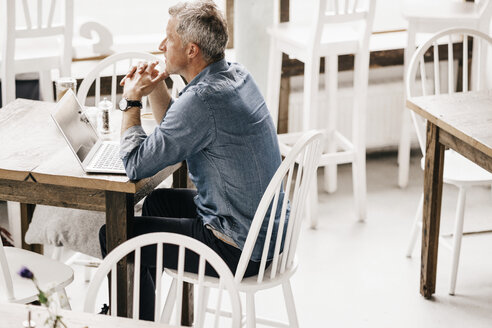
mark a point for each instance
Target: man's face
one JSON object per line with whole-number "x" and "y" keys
{"x": 174, "y": 50}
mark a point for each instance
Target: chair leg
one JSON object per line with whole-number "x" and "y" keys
{"x": 404, "y": 150}
{"x": 310, "y": 100}
{"x": 290, "y": 305}
{"x": 458, "y": 234}
{"x": 64, "y": 303}
{"x": 404, "y": 145}
{"x": 415, "y": 227}
{"x": 169, "y": 304}
{"x": 331, "y": 87}
{"x": 361, "y": 71}
{"x": 250, "y": 310}
{"x": 274, "y": 76}
{"x": 46, "y": 86}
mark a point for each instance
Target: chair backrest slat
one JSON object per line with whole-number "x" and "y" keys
{"x": 450, "y": 66}
{"x": 354, "y": 6}
{"x": 114, "y": 77}
{"x": 51, "y": 14}
{"x": 27, "y": 14}
{"x": 179, "y": 289}
{"x": 280, "y": 234}
{"x": 114, "y": 299}
{"x": 201, "y": 293}
{"x": 40, "y": 14}
{"x": 423, "y": 77}
{"x": 158, "y": 281}
{"x": 437, "y": 75}
{"x": 465, "y": 63}
{"x": 294, "y": 212}
{"x": 266, "y": 244}
{"x": 136, "y": 284}
{"x": 218, "y": 304}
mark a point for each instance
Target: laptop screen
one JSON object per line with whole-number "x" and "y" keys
{"x": 75, "y": 126}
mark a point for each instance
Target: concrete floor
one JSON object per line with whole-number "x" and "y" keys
{"x": 354, "y": 274}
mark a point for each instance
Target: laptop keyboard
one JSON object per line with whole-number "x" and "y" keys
{"x": 109, "y": 158}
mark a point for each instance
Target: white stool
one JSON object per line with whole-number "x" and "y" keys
{"x": 338, "y": 28}
{"x": 430, "y": 17}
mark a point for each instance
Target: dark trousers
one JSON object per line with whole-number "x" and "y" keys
{"x": 173, "y": 210}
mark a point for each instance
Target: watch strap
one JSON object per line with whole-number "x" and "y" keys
{"x": 133, "y": 103}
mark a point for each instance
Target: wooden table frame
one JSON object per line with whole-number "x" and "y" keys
{"x": 40, "y": 182}
{"x": 463, "y": 136}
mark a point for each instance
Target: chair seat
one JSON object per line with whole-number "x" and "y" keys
{"x": 459, "y": 170}
{"x": 247, "y": 284}
{"x": 48, "y": 273}
{"x": 339, "y": 39}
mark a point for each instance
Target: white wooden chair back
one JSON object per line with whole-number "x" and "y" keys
{"x": 31, "y": 19}
{"x": 5, "y": 274}
{"x": 115, "y": 65}
{"x": 433, "y": 81}
{"x": 134, "y": 245}
{"x": 338, "y": 11}
{"x": 293, "y": 181}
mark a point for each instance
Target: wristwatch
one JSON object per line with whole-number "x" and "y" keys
{"x": 126, "y": 103}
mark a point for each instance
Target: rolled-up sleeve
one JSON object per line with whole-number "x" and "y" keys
{"x": 187, "y": 128}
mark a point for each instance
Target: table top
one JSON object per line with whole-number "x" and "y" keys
{"x": 32, "y": 147}
{"x": 13, "y": 315}
{"x": 466, "y": 115}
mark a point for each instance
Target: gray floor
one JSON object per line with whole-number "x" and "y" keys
{"x": 354, "y": 274}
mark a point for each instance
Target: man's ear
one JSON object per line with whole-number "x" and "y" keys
{"x": 193, "y": 50}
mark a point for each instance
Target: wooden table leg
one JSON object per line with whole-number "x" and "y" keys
{"x": 26, "y": 212}
{"x": 434, "y": 163}
{"x": 119, "y": 220}
{"x": 180, "y": 180}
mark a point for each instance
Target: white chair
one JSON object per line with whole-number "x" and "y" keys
{"x": 42, "y": 42}
{"x": 338, "y": 28}
{"x": 440, "y": 78}
{"x": 294, "y": 177}
{"x": 429, "y": 17}
{"x": 52, "y": 276}
{"x": 185, "y": 243}
{"x": 115, "y": 65}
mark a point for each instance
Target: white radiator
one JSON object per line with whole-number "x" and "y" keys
{"x": 384, "y": 106}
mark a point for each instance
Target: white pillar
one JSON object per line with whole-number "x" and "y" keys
{"x": 251, "y": 42}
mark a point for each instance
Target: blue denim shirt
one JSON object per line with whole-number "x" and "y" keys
{"x": 221, "y": 126}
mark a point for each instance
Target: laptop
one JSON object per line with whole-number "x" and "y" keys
{"x": 93, "y": 154}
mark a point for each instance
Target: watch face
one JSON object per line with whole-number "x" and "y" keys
{"x": 123, "y": 104}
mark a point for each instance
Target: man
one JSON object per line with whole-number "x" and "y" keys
{"x": 220, "y": 125}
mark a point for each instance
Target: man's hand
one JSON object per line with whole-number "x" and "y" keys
{"x": 141, "y": 80}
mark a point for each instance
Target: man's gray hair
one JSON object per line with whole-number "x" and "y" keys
{"x": 201, "y": 22}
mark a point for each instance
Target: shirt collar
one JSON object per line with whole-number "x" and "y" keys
{"x": 212, "y": 68}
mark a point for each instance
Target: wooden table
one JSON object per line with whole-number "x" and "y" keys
{"x": 460, "y": 121}
{"x": 13, "y": 315}
{"x": 38, "y": 167}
